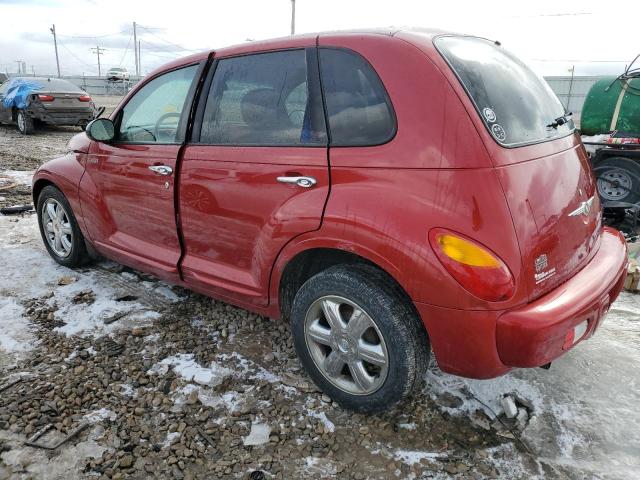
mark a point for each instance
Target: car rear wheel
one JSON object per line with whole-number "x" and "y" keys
{"x": 618, "y": 179}
{"x": 59, "y": 229}
{"x": 25, "y": 123}
{"x": 358, "y": 338}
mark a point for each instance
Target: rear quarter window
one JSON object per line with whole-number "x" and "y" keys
{"x": 358, "y": 107}
{"x": 515, "y": 104}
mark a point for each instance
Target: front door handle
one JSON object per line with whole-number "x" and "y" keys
{"x": 161, "y": 169}
{"x": 304, "y": 182}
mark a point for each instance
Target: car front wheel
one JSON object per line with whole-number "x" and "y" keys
{"x": 59, "y": 229}
{"x": 358, "y": 338}
{"x": 25, "y": 123}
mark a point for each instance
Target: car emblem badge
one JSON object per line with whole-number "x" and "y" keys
{"x": 583, "y": 209}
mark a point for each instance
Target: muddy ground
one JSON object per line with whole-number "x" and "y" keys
{"x": 147, "y": 380}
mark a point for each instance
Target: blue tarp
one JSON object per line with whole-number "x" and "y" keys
{"x": 18, "y": 91}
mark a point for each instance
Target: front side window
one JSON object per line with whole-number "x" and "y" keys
{"x": 263, "y": 99}
{"x": 153, "y": 114}
{"x": 516, "y": 105}
{"x": 358, "y": 106}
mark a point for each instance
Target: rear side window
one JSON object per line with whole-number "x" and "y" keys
{"x": 515, "y": 104}
{"x": 358, "y": 106}
{"x": 264, "y": 99}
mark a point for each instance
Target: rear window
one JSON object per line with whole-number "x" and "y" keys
{"x": 56, "y": 84}
{"x": 515, "y": 104}
{"x": 357, "y": 104}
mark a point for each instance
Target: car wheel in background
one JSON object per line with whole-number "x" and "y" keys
{"x": 59, "y": 229}
{"x": 25, "y": 123}
{"x": 618, "y": 179}
{"x": 359, "y": 338}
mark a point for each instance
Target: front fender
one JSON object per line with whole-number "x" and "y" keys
{"x": 65, "y": 173}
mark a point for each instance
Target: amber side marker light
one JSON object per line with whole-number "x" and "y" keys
{"x": 475, "y": 267}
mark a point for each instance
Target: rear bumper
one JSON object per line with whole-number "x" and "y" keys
{"x": 61, "y": 116}
{"x": 536, "y": 334}
{"x": 486, "y": 344}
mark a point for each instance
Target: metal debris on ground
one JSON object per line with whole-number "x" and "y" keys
{"x": 32, "y": 442}
{"x": 10, "y": 384}
{"x": 16, "y": 209}
{"x": 111, "y": 348}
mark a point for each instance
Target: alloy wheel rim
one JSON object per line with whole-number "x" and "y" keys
{"x": 614, "y": 184}
{"x": 57, "y": 228}
{"x": 346, "y": 345}
{"x": 21, "y": 121}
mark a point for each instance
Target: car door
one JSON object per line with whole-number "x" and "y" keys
{"x": 256, "y": 173}
{"x": 127, "y": 192}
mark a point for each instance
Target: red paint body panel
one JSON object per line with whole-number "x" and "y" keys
{"x": 541, "y": 194}
{"x": 236, "y": 217}
{"x": 534, "y": 334}
{"x": 128, "y": 211}
{"x": 443, "y": 169}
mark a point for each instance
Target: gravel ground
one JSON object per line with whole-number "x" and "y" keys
{"x": 153, "y": 380}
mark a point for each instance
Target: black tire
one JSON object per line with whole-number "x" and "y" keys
{"x": 395, "y": 320}
{"x": 78, "y": 252}
{"x": 25, "y": 123}
{"x": 618, "y": 179}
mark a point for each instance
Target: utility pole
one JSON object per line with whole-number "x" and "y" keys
{"x": 139, "y": 69}
{"x": 98, "y": 51}
{"x": 135, "y": 49}
{"x": 293, "y": 17}
{"x": 55, "y": 44}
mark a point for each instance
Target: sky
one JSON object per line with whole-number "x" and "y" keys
{"x": 551, "y": 36}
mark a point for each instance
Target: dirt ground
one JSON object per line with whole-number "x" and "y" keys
{"x": 141, "y": 379}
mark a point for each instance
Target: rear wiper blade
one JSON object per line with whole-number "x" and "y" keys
{"x": 560, "y": 120}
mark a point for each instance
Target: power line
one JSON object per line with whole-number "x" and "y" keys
{"x": 126, "y": 50}
{"x": 74, "y": 55}
{"x": 95, "y": 36}
{"x": 167, "y": 41}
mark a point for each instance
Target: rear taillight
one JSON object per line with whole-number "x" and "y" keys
{"x": 475, "y": 267}
{"x": 84, "y": 98}
{"x": 46, "y": 98}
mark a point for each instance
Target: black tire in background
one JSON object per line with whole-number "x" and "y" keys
{"x": 397, "y": 328}
{"x": 78, "y": 252}
{"x": 618, "y": 179}
{"x": 25, "y": 123}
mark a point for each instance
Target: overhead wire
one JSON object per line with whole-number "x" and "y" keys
{"x": 126, "y": 49}
{"x": 167, "y": 41}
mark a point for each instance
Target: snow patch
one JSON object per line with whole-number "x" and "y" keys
{"x": 21, "y": 177}
{"x": 99, "y": 415}
{"x": 249, "y": 367}
{"x": 185, "y": 365}
{"x": 17, "y": 336}
{"x": 258, "y": 435}
{"x": 408, "y": 426}
{"x": 412, "y": 457}
{"x": 329, "y": 426}
{"x": 172, "y": 437}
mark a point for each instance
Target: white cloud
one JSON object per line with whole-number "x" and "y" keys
{"x": 569, "y": 32}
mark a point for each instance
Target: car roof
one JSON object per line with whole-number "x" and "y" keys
{"x": 422, "y": 36}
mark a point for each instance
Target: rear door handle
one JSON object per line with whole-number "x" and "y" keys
{"x": 304, "y": 182}
{"x": 161, "y": 169}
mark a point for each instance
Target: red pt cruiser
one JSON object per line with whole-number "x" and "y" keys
{"x": 388, "y": 193}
